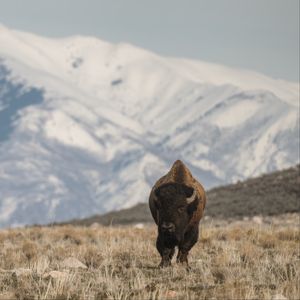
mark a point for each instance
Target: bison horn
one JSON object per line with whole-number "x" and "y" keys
{"x": 191, "y": 199}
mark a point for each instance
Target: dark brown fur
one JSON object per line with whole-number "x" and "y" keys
{"x": 168, "y": 205}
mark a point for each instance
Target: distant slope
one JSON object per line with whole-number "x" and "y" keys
{"x": 271, "y": 194}
{"x": 87, "y": 126}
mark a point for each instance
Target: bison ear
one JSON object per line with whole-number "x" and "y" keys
{"x": 155, "y": 198}
{"x": 157, "y": 192}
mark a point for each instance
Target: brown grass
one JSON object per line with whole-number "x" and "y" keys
{"x": 238, "y": 261}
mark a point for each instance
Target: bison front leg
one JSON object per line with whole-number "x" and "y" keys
{"x": 190, "y": 239}
{"x": 165, "y": 252}
{"x": 166, "y": 257}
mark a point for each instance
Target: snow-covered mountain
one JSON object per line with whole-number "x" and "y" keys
{"x": 88, "y": 126}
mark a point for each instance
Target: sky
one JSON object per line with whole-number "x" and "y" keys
{"x": 261, "y": 35}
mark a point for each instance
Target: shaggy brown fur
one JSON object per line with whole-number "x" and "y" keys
{"x": 177, "y": 220}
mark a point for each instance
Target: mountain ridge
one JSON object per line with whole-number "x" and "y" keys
{"x": 92, "y": 125}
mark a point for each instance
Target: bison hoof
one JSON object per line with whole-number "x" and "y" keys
{"x": 164, "y": 264}
{"x": 184, "y": 263}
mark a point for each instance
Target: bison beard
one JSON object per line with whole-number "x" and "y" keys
{"x": 177, "y": 202}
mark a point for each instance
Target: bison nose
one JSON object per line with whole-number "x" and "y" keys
{"x": 168, "y": 227}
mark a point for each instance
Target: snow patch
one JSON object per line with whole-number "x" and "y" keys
{"x": 234, "y": 115}
{"x": 65, "y": 130}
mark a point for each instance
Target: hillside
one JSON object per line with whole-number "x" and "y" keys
{"x": 271, "y": 194}
{"x": 87, "y": 126}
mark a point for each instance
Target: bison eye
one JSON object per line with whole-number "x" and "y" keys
{"x": 181, "y": 209}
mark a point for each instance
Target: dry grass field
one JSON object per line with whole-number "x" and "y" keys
{"x": 240, "y": 260}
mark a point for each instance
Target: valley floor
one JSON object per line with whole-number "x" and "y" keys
{"x": 246, "y": 259}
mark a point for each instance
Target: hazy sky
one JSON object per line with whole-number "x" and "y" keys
{"x": 262, "y": 35}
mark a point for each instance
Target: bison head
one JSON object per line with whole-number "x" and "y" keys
{"x": 175, "y": 204}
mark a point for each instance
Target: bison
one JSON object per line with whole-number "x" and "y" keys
{"x": 177, "y": 202}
